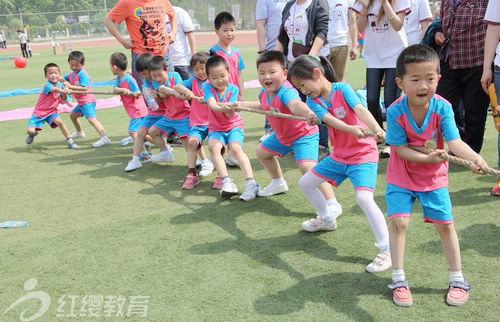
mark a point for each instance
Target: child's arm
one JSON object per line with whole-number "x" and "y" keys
{"x": 241, "y": 86}
{"x": 219, "y": 107}
{"x": 298, "y": 107}
{"x": 464, "y": 151}
{"x": 165, "y": 91}
{"x": 409, "y": 154}
{"x": 367, "y": 118}
{"x": 122, "y": 91}
{"x": 250, "y": 104}
{"x": 186, "y": 93}
{"x": 334, "y": 122}
{"x": 74, "y": 87}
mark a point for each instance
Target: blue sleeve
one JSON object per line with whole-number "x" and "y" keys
{"x": 132, "y": 84}
{"x": 84, "y": 79}
{"x": 395, "y": 134}
{"x": 241, "y": 63}
{"x": 117, "y": 82}
{"x": 349, "y": 95}
{"x": 318, "y": 109}
{"x": 155, "y": 85}
{"x": 177, "y": 78}
{"x": 188, "y": 83}
{"x": 145, "y": 84}
{"x": 47, "y": 87}
{"x": 448, "y": 125}
{"x": 287, "y": 94}
{"x": 234, "y": 93}
{"x": 207, "y": 93}
{"x": 66, "y": 76}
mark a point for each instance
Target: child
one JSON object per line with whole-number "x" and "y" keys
{"x": 28, "y": 48}
{"x": 198, "y": 121}
{"x": 156, "y": 110}
{"x": 225, "y": 127}
{"x": 415, "y": 118}
{"x": 46, "y": 107}
{"x": 354, "y": 155}
{"x": 79, "y": 80}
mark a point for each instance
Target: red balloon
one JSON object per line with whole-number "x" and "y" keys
{"x": 20, "y": 62}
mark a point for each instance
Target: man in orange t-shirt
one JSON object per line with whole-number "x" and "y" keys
{"x": 145, "y": 21}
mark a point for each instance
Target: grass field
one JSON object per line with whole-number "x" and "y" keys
{"x": 96, "y": 230}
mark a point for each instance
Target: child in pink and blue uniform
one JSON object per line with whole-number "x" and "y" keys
{"x": 354, "y": 156}
{"x": 45, "y": 109}
{"x": 79, "y": 80}
{"x": 412, "y": 120}
{"x": 225, "y": 127}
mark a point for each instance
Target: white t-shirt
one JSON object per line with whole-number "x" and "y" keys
{"x": 22, "y": 38}
{"x": 382, "y": 43}
{"x": 271, "y": 11}
{"x": 296, "y": 27}
{"x": 1, "y": 38}
{"x": 179, "y": 51}
{"x": 420, "y": 11}
{"x": 338, "y": 25}
{"x": 492, "y": 16}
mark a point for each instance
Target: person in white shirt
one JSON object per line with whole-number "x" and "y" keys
{"x": 22, "y": 41}
{"x": 342, "y": 35}
{"x": 417, "y": 21}
{"x": 1, "y": 41}
{"x": 184, "y": 46}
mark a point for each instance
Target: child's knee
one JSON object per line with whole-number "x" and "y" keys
{"x": 445, "y": 228}
{"x": 153, "y": 131}
{"x": 399, "y": 224}
{"x": 193, "y": 144}
{"x": 305, "y": 183}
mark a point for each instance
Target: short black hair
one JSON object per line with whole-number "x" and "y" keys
{"x": 76, "y": 55}
{"x": 271, "y": 55}
{"x": 223, "y": 18}
{"x": 214, "y": 61}
{"x": 419, "y": 53}
{"x": 141, "y": 64}
{"x": 156, "y": 63}
{"x": 49, "y": 65}
{"x": 119, "y": 60}
{"x": 199, "y": 57}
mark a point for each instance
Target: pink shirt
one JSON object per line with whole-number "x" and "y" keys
{"x": 234, "y": 62}
{"x": 81, "y": 78}
{"x": 161, "y": 106}
{"x": 47, "y": 100}
{"x": 199, "y": 111}
{"x": 219, "y": 121}
{"x": 176, "y": 108}
{"x": 135, "y": 107}
{"x": 287, "y": 131}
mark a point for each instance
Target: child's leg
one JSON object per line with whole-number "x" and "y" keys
{"x": 31, "y": 130}
{"x": 97, "y": 126}
{"x": 157, "y": 139}
{"x": 76, "y": 121}
{"x": 309, "y": 183}
{"x": 215, "y": 147}
{"x": 270, "y": 162}
{"x": 375, "y": 218}
{"x": 242, "y": 158}
{"x": 397, "y": 234}
{"x": 64, "y": 130}
{"x": 139, "y": 140}
{"x": 133, "y": 135}
{"x": 201, "y": 153}
{"x": 449, "y": 242}
{"x": 192, "y": 149}
{"x": 325, "y": 187}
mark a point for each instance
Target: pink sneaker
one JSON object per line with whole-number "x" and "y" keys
{"x": 458, "y": 293}
{"x": 401, "y": 294}
{"x": 191, "y": 182}
{"x": 218, "y": 183}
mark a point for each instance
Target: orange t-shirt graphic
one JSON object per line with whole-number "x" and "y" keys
{"x": 145, "y": 20}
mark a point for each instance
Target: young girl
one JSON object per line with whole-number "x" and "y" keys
{"x": 354, "y": 155}
{"x": 225, "y": 127}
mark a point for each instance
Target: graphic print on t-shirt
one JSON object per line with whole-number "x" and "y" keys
{"x": 381, "y": 28}
{"x": 151, "y": 28}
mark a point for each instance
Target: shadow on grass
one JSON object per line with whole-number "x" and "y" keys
{"x": 340, "y": 291}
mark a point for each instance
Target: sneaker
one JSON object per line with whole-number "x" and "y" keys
{"x": 147, "y": 147}
{"x": 144, "y": 157}
{"x": 401, "y": 294}
{"x": 72, "y": 145}
{"x": 251, "y": 190}
{"x": 229, "y": 188}
{"x": 169, "y": 148}
{"x": 132, "y": 165}
{"x": 174, "y": 140}
{"x": 126, "y": 141}
{"x": 207, "y": 167}
{"x": 273, "y": 189}
{"x": 102, "y": 141}
{"x": 77, "y": 134}
{"x": 386, "y": 153}
{"x": 231, "y": 161}
{"x": 335, "y": 210}
{"x": 163, "y": 156}
{"x": 381, "y": 263}
{"x": 198, "y": 163}
{"x": 318, "y": 223}
{"x": 190, "y": 182}
{"x": 458, "y": 293}
{"x": 31, "y": 137}
{"x": 323, "y": 152}
{"x": 218, "y": 183}
{"x": 496, "y": 189}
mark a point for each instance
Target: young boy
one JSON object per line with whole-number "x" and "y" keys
{"x": 79, "y": 80}
{"x": 46, "y": 107}
{"x": 225, "y": 127}
{"x": 417, "y": 117}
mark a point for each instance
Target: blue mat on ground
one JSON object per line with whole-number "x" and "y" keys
{"x": 20, "y": 91}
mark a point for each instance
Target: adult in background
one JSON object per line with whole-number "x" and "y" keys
{"x": 1, "y": 41}
{"x": 417, "y": 21}
{"x": 184, "y": 46}
{"x": 461, "y": 55}
{"x": 145, "y": 21}
{"x": 342, "y": 35}
{"x": 268, "y": 22}
{"x": 4, "y": 40}
{"x": 22, "y": 42}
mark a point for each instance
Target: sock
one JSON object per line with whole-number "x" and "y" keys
{"x": 375, "y": 218}
{"x": 280, "y": 180}
{"x": 456, "y": 276}
{"x": 70, "y": 140}
{"x": 398, "y": 275}
{"x": 332, "y": 201}
{"x": 250, "y": 180}
{"x": 309, "y": 184}
{"x": 192, "y": 171}
{"x": 135, "y": 157}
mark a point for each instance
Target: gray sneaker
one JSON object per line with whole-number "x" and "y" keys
{"x": 73, "y": 145}
{"x": 251, "y": 190}
{"x": 31, "y": 137}
{"x": 318, "y": 223}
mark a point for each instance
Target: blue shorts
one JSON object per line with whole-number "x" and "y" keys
{"x": 181, "y": 127}
{"x": 304, "y": 148}
{"x": 149, "y": 120}
{"x": 200, "y": 132}
{"x": 363, "y": 176}
{"x": 134, "y": 124}
{"x": 38, "y": 122}
{"x": 236, "y": 134}
{"x": 87, "y": 110}
{"x": 436, "y": 204}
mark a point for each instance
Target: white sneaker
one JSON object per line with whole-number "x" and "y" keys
{"x": 163, "y": 156}
{"x": 77, "y": 134}
{"x": 133, "y": 164}
{"x": 381, "y": 263}
{"x": 72, "y": 145}
{"x": 251, "y": 190}
{"x": 207, "y": 167}
{"x": 126, "y": 141}
{"x": 335, "y": 210}
{"x": 169, "y": 147}
{"x": 102, "y": 141}
{"x": 231, "y": 161}
{"x": 315, "y": 224}
{"x": 229, "y": 188}
{"x": 273, "y": 189}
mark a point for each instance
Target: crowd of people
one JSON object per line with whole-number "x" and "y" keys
{"x": 304, "y": 47}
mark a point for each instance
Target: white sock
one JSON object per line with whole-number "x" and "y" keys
{"x": 309, "y": 184}
{"x": 332, "y": 202}
{"x": 398, "y": 275}
{"x": 456, "y": 276}
{"x": 135, "y": 157}
{"x": 70, "y": 140}
{"x": 280, "y": 180}
{"x": 375, "y": 218}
